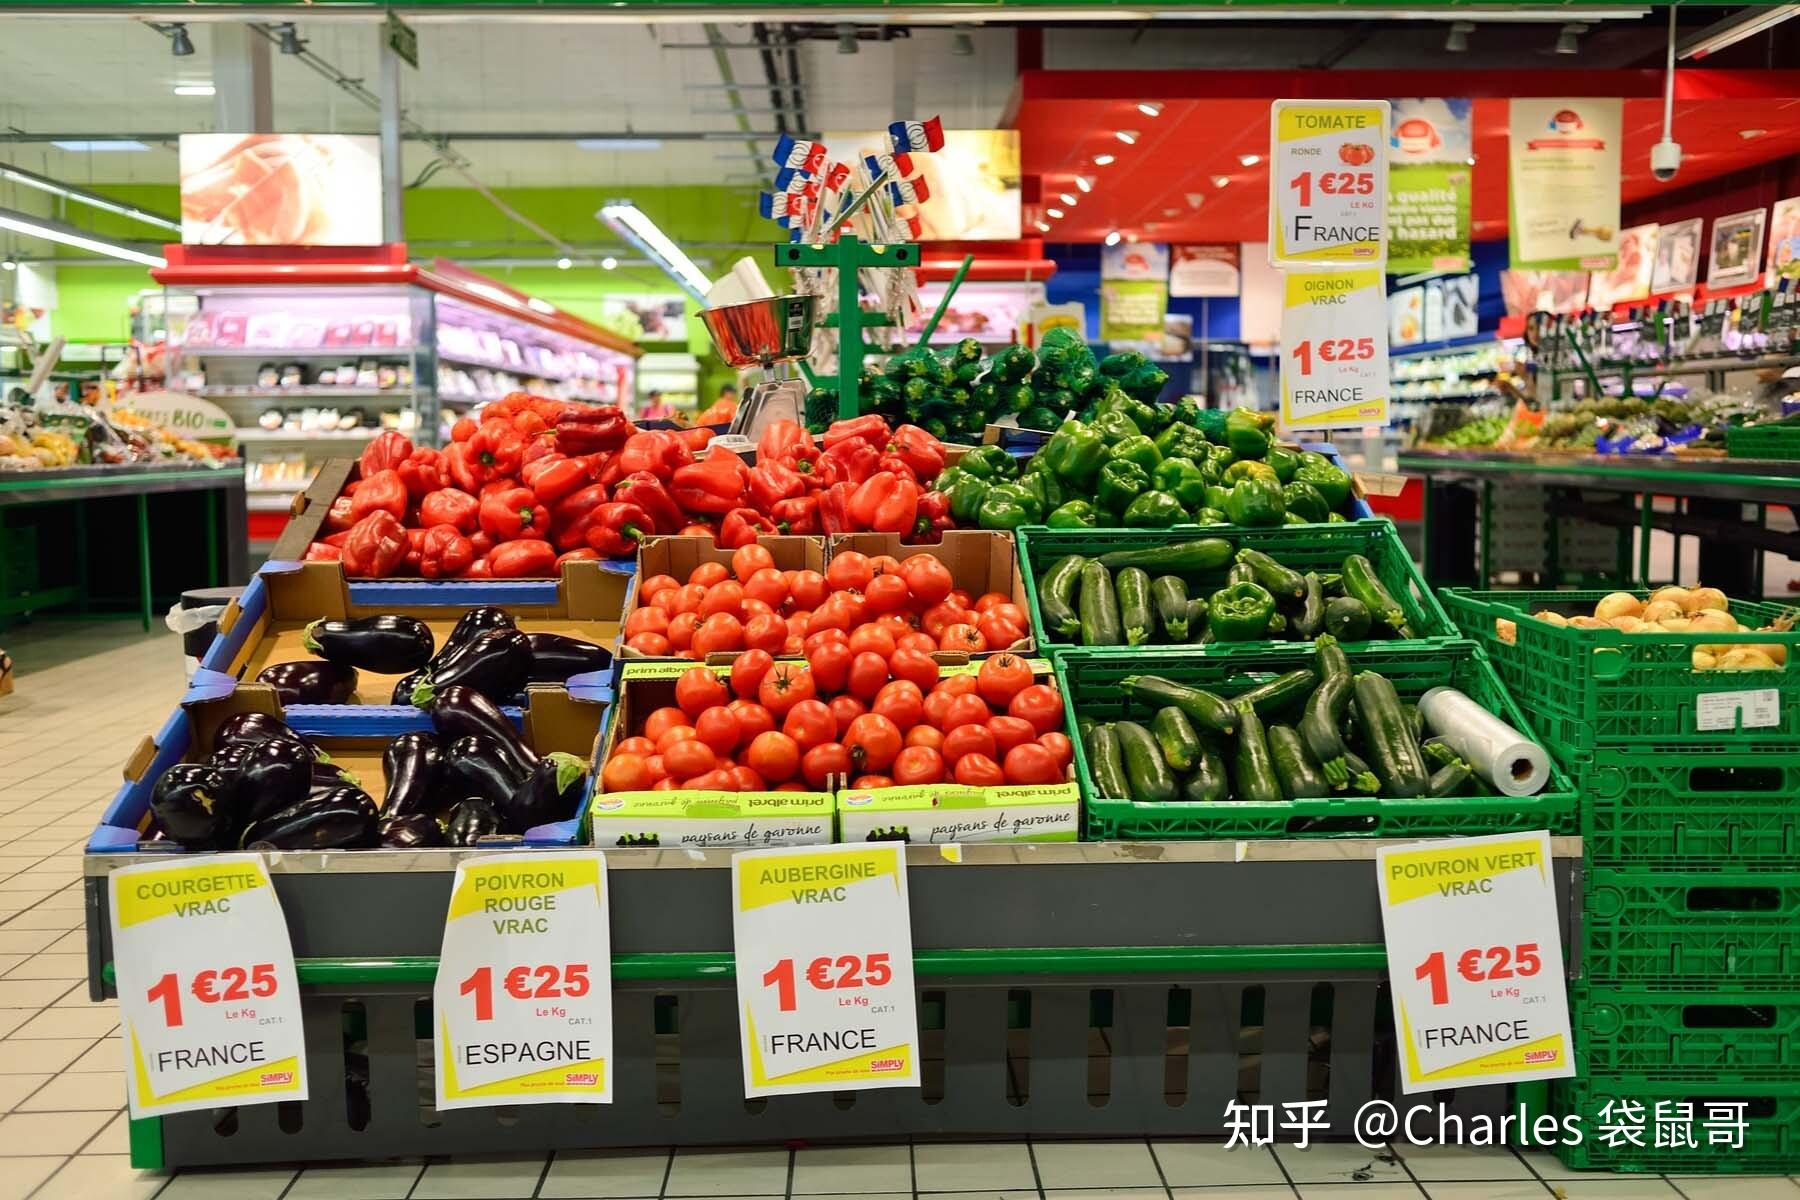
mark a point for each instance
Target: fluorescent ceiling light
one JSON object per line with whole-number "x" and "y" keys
{"x": 563, "y": 264}
{"x": 1084, "y": 183}
{"x": 100, "y": 147}
{"x": 621, "y": 143}
{"x": 536, "y": 305}
{"x": 44, "y": 183}
{"x": 1043, "y": 226}
{"x": 1150, "y": 108}
{"x": 1569, "y": 40}
{"x": 1249, "y": 160}
{"x": 1128, "y": 136}
{"x": 194, "y": 89}
{"x": 631, "y": 223}
{"x": 1102, "y": 160}
{"x": 1068, "y": 198}
{"x": 1055, "y": 214}
{"x": 1112, "y": 238}
{"x": 56, "y": 231}
{"x": 1736, "y": 28}
{"x": 609, "y": 263}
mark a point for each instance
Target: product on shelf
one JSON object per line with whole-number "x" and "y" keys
{"x": 68, "y": 435}
{"x": 1677, "y": 610}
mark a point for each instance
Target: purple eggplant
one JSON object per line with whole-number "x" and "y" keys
{"x": 328, "y": 775}
{"x": 552, "y": 792}
{"x": 409, "y": 831}
{"x": 249, "y": 728}
{"x": 554, "y": 658}
{"x": 385, "y": 644}
{"x": 470, "y": 821}
{"x": 230, "y": 757}
{"x": 458, "y": 710}
{"x": 193, "y": 804}
{"x": 276, "y": 774}
{"x": 496, "y": 664}
{"x": 471, "y": 624}
{"x": 340, "y": 819}
{"x": 310, "y": 681}
{"x": 476, "y": 765}
{"x": 412, "y": 763}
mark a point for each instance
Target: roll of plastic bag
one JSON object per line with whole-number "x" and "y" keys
{"x": 1512, "y": 763}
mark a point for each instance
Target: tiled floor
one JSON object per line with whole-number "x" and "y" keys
{"x": 86, "y": 694}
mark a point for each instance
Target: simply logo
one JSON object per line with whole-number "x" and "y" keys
{"x": 1416, "y": 135}
{"x": 1566, "y": 120}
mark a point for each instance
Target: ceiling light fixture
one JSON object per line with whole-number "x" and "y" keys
{"x": 846, "y": 38}
{"x": 1067, "y": 198}
{"x": 1084, "y": 183}
{"x": 1128, "y": 136}
{"x": 1457, "y": 40}
{"x": 1112, "y": 237}
{"x": 56, "y": 231}
{"x": 180, "y": 44}
{"x": 634, "y": 225}
{"x": 289, "y": 38}
{"x": 618, "y": 143}
{"x": 1150, "y": 108}
{"x": 1249, "y": 160}
{"x": 563, "y": 264}
{"x": 102, "y": 146}
{"x": 609, "y": 263}
{"x": 1103, "y": 160}
{"x": 1568, "y": 39}
{"x": 195, "y": 89}
{"x": 1055, "y": 214}
{"x": 1043, "y": 227}
{"x": 55, "y": 188}
{"x": 962, "y": 45}
{"x": 1220, "y": 181}
{"x": 1734, "y": 29}
{"x": 7, "y": 264}
{"x": 539, "y": 306}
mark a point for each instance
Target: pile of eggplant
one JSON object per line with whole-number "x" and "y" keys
{"x": 485, "y": 651}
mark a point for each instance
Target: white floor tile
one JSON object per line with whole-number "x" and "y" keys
{"x": 1616, "y": 1187}
{"x": 95, "y": 1091}
{"x": 1736, "y": 1187}
{"x": 851, "y": 1170}
{"x": 1360, "y": 1191}
{"x": 221, "y": 1183}
{"x": 1493, "y": 1189}
{"x": 602, "y": 1174}
{"x": 28, "y": 1057}
{"x": 101, "y": 1177}
{"x": 728, "y": 1173}
{"x": 480, "y": 1179}
{"x": 1429, "y": 1163}
{"x": 993, "y": 1195}
{"x": 51, "y": 966}
{"x": 105, "y": 1055}
{"x": 25, "y": 1134}
{"x": 974, "y": 1167}
{"x": 31, "y": 993}
{"x": 1340, "y": 1162}
{"x": 1548, "y": 1166}
{"x": 1094, "y": 1165}
{"x": 1235, "y": 1192}
{"x": 1202, "y": 1164}
{"x": 356, "y": 1181}
{"x": 14, "y": 1089}
{"x": 70, "y": 1023}
{"x": 22, "y": 1175}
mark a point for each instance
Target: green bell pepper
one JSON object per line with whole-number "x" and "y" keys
{"x": 1247, "y": 433}
{"x": 1255, "y": 502}
{"x": 1333, "y": 483}
{"x": 1046, "y": 487}
{"x": 1140, "y": 450}
{"x": 1250, "y": 468}
{"x": 1293, "y": 518}
{"x": 1117, "y": 399}
{"x": 1188, "y": 410}
{"x": 947, "y": 478}
{"x": 1050, "y": 455}
{"x": 1017, "y": 397}
{"x": 1154, "y": 510}
{"x": 1181, "y": 441}
{"x": 1115, "y": 426}
{"x": 1008, "y": 506}
{"x": 1041, "y": 418}
{"x": 1181, "y": 479}
{"x": 1121, "y": 481}
{"x": 1336, "y": 518}
{"x": 1284, "y": 461}
{"x": 985, "y": 396}
{"x": 966, "y": 495}
{"x": 989, "y": 462}
{"x": 1076, "y": 514}
{"x": 1211, "y": 516}
{"x": 1081, "y": 460}
{"x": 1312, "y": 458}
{"x": 936, "y": 428}
{"x": 1303, "y": 498}
{"x": 1240, "y": 612}
{"x": 1215, "y": 496}
{"x": 1211, "y": 422}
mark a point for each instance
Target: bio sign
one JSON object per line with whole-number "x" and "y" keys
{"x": 1328, "y": 183}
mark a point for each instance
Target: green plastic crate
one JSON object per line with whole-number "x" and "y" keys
{"x": 1770, "y": 441}
{"x": 1679, "y": 807}
{"x": 1711, "y": 1033}
{"x": 1089, "y": 680}
{"x": 1691, "y": 926}
{"x": 1592, "y": 688}
{"x": 1770, "y": 1139}
{"x": 1300, "y": 547}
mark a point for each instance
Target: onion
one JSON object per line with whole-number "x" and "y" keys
{"x": 1776, "y": 651}
{"x": 1551, "y": 617}
{"x": 1711, "y": 620}
{"x": 1619, "y": 604}
{"x": 1673, "y": 625}
{"x": 1675, "y": 595}
{"x": 1629, "y": 624}
{"x": 1508, "y": 631}
{"x": 1587, "y": 623}
{"x": 1703, "y": 598}
{"x": 1703, "y": 659}
{"x": 1662, "y": 610}
{"x": 1746, "y": 658}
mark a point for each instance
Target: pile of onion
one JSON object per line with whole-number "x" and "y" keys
{"x": 1677, "y": 610}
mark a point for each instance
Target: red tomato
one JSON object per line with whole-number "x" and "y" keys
{"x": 965, "y": 638}
{"x": 1010, "y": 612}
{"x": 653, "y": 644}
{"x": 663, "y": 597}
{"x": 1059, "y": 746}
{"x": 937, "y": 703}
{"x": 690, "y": 757}
{"x": 834, "y": 613}
{"x": 925, "y": 735}
{"x": 849, "y": 571}
{"x": 747, "y": 671}
{"x": 690, "y": 598}
{"x": 826, "y": 635}
{"x": 712, "y": 781}
{"x": 868, "y": 671}
{"x": 965, "y": 710}
{"x": 926, "y": 578}
{"x": 681, "y": 630}
{"x": 625, "y": 773}
{"x": 646, "y": 620}
{"x": 746, "y": 780}
{"x": 999, "y": 632}
{"x": 830, "y": 663}
{"x": 766, "y": 632}
{"x": 720, "y": 631}
{"x": 871, "y": 783}
{"x": 657, "y": 583}
{"x": 960, "y": 598}
{"x": 883, "y": 564}
{"x": 1001, "y": 678}
{"x": 915, "y": 666}
{"x": 956, "y": 685}
{"x": 784, "y": 686}
{"x": 718, "y": 728}
{"x": 823, "y": 761}
{"x": 663, "y": 720}
{"x": 918, "y": 764}
{"x": 672, "y": 736}
{"x": 808, "y": 589}
{"x": 1009, "y": 732}
{"x": 886, "y": 593}
{"x": 708, "y": 573}
{"x": 752, "y": 607}
{"x": 987, "y": 600}
{"x": 896, "y": 624}
{"x": 1031, "y": 763}
{"x": 752, "y": 719}
{"x": 1041, "y": 705}
{"x": 767, "y": 585}
{"x": 748, "y": 560}
{"x": 845, "y": 709}
{"x": 873, "y": 742}
{"x": 659, "y": 770}
{"x": 872, "y": 638}
{"x": 796, "y": 623}
{"x": 916, "y": 640}
{"x": 810, "y": 723}
{"x": 940, "y": 617}
{"x": 774, "y": 756}
{"x": 900, "y": 702}
{"x": 725, "y": 597}
{"x": 636, "y": 745}
{"x": 969, "y": 739}
{"x": 699, "y": 689}
{"x": 979, "y": 770}
{"x": 791, "y": 647}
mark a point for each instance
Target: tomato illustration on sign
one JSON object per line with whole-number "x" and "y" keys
{"x": 1355, "y": 154}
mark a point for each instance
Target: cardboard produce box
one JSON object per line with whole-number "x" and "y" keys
{"x": 678, "y": 556}
{"x": 979, "y": 561}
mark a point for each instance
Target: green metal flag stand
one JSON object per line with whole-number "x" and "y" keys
{"x": 847, "y": 256}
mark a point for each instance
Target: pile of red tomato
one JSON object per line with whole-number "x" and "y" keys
{"x": 876, "y": 721}
{"x": 866, "y": 604}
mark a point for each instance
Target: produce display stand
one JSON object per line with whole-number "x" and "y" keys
{"x": 225, "y": 540}
{"x": 1065, "y": 990}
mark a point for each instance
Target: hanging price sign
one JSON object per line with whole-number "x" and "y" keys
{"x": 1334, "y": 349}
{"x": 524, "y": 983}
{"x": 1328, "y": 183}
{"x": 824, "y": 969}
{"x": 207, "y": 992}
{"x": 1475, "y": 961}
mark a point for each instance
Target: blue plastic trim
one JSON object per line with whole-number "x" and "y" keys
{"x": 252, "y": 604}
{"x": 367, "y": 720}
{"x": 208, "y": 684}
{"x": 132, "y": 800}
{"x": 452, "y": 593}
{"x": 279, "y": 566}
{"x": 592, "y": 685}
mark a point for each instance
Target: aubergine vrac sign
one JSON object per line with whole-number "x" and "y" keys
{"x": 1429, "y": 176}
{"x": 280, "y": 189}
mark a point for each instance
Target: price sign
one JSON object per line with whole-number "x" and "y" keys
{"x": 1475, "y": 961}
{"x": 206, "y": 983}
{"x": 824, "y": 969}
{"x": 1328, "y": 183}
{"x": 1334, "y": 349}
{"x": 524, "y": 983}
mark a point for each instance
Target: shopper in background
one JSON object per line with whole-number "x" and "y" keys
{"x": 721, "y": 411}
{"x": 654, "y": 408}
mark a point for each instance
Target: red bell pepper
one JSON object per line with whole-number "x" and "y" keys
{"x": 797, "y": 516}
{"x": 516, "y": 559}
{"x": 886, "y": 503}
{"x": 804, "y": 462}
{"x": 579, "y": 554}
{"x": 869, "y": 427}
{"x": 514, "y": 513}
{"x": 381, "y": 492}
{"x": 851, "y": 460}
{"x": 483, "y": 542}
{"x": 497, "y": 485}
{"x": 586, "y": 428}
{"x": 537, "y": 447}
{"x": 933, "y": 518}
{"x": 780, "y": 439}
{"x": 696, "y": 529}
{"x": 715, "y": 484}
{"x": 415, "y": 550}
{"x": 770, "y": 483}
{"x": 337, "y": 517}
{"x": 458, "y": 468}
{"x": 421, "y": 473}
{"x": 553, "y": 476}
{"x": 834, "y": 508}
{"x": 570, "y": 519}
{"x": 322, "y": 552}
{"x": 530, "y": 423}
{"x": 376, "y": 545}
{"x": 695, "y": 438}
{"x": 464, "y": 429}
{"x": 617, "y": 528}
{"x": 450, "y": 506}
{"x": 479, "y": 569}
{"x": 387, "y": 451}
{"x": 648, "y": 493}
{"x": 337, "y": 539}
{"x": 445, "y": 552}
{"x": 922, "y": 453}
{"x": 741, "y": 527}
{"x": 654, "y": 450}
{"x": 495, "y": 451}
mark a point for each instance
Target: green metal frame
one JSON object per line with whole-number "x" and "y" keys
{"x": 847, "y": 256}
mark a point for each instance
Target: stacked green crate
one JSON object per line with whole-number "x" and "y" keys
{"x": 1686, "y": 1001}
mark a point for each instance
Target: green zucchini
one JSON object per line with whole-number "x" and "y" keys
{"x": 1415, "y": 720}
{"x": 1301, "y": 777}
{"x": 1202, "y": 554}
{"x": 1207, "y": 711}
{"x": 1056, "y": 596}
{"x": 1170, "y": 595}
{"x": 1208, "y": 783}
{"x": 1175, "y": 734}
{"x": 1149, "y": 776}
{"x": 1333, "y": 584}
{"x": 1347, "y": 619}
{"x": 1132, "y": 586}
{"x": 1279, "y": 692}
{"x": 1106, "y": 763}
{"x": 1449, "y": 779}
{"x": 1100, "y": 624}
{"x": 1239, "y": 573}
{"x": 1082, "y": 726}
{"x": 1389, "y": 739}
{"x": 1253, "y": 772}
{"x": 1325, "y": 709}
{"x": 1361, "y": 582}
{"x": 1281, "y": 581}
{"x": 1438, "y": 753}
{"x": 1309, "y": 622}
{"x": 1278, "y": 624}
{"x": 1199, "y": 628}
{"x": 1361, "y": 778}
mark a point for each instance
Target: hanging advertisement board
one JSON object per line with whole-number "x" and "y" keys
{"x": 1563, "y": 186}
{"x": 1429, "y": 176}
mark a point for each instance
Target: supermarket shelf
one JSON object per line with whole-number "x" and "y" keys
{"x": 362, "y": 434}
{"x": 264, "y": 502}
{"x": 323, "y": 391}
{"x": 1682, "y": 366}
{"x": 1745, "y": 479}
{"x": 282, "y": 353}
{"x": 276, "y": 489}
{"x": 523, "y": 372}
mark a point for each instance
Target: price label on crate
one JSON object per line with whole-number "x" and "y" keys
{"x": 1328, "y": 183}
{"x": 1334, "y": 349}
{"x": 1758, "y": 708}
{"x": 207, "y": 991}
{"x": 1475, "y": 961}
{"x": 824, "y": 969}
{"x": 523, "y": 996}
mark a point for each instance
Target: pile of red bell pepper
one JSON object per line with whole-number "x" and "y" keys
{"x": 861, "y": 476}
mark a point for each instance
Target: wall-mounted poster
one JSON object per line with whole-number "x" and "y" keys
{"x": 1563, "y": 193}
{"x": 1736, "y": 249}
{"x": 1406, "y": 317}
{"x": 280, "y": 189}
{"x": 1629, "y": 281}
{"x": 1677, "y": 257}
{"x": 1784, "y": 239}
{"x": 1429, "y": 173}
{"x": 1461, "y": 292}
{"x": 1526, "y": 292}
{"x": 1203, "y": 270}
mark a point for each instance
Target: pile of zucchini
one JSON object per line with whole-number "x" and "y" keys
{"x": 1164, "y": 595}
{"x": 1307, "y": 734}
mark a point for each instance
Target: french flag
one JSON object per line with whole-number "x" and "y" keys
{"x": 835, "y": 176}
{"x": 909, "y": 191}
{"x": 900, "y": 164}
{"x": 801, "y": 156}
{"x": 917, "y": 135}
